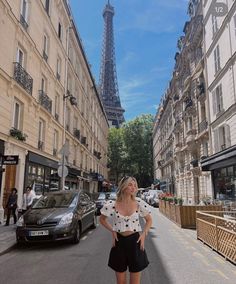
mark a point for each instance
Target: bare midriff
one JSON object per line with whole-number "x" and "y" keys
{"x": 126, "y": 233}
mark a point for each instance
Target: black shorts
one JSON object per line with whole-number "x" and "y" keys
{"x": 127, "y": 253}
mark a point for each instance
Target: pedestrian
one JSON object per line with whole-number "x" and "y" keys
{"x": 28, "y": 198}
{"x": 11, "y": 206}
{"x": 127, "y": 235}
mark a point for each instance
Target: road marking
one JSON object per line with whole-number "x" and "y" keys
{"x": 220, "y": 260}
{"x": 202, "y": 258}
{"x": 84, "y": 238}
{"x": 220, "y": 273}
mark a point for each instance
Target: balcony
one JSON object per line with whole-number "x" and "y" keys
{"x": 45, "y": 101}
{"x": 190, "y": 108}
{"x": 23, "y": 78}
{"x": 83, "y": 140}
{"x": 201, "y": 95}
{"x": 203, "y": 126}
{"x": 178, "y": 125}
{"x": 23, "y": 22}
{"x": 18, "y": 134}
{"x": 77, "y": 133}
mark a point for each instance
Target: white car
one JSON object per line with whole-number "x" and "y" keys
{"x": 152, "y": 197}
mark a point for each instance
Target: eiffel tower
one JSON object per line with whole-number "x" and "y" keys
{"x": 108, "y": 79}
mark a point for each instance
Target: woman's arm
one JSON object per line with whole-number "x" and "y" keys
{"x": 148, "y": 224}
{"x": 103, "y": 221}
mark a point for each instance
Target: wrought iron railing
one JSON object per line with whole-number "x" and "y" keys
{"x": 202, "y": 126}
{"x": 45, "y": 101}
{"x": 23, "y": 78}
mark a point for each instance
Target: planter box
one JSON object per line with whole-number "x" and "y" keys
{"x": 184, "y": 215}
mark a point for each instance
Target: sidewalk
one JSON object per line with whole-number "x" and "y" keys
{"x": 7, "y": 237}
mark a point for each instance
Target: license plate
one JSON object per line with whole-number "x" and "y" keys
{"x": 39, "y": 233}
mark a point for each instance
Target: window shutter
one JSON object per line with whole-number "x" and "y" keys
{"x": 216, "y": 140}
{"x": 227, "y": 136}
{"x": 214, "y": 101}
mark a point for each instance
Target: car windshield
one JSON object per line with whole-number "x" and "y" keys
{"x": 112, "y": 196}
{"x": 102, "y": 196}
{"x": 55, "y": 201}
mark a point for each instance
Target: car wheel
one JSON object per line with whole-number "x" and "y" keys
{"x": 77, "y": 233}
{"x": 94, "y": 225}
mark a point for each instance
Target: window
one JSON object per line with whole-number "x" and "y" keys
{"x": 217, "y": 58}
{"x": 55, "y": 142}
{"x": 45, "y": 47}
{"x": 20, "y": 57}
{"x": 17, "y": 114}
{"x": 57, "y": 107}
{"x": 222, "y": 138}
{"x": 58, "y": 68}
{"x": 41, "y": 134}
{"x": 67, "y": 119}
{"x": 59, "y": 32}
{"x": 217, "y": 99}
{"x": 235, "y": 25}
{"x": 24, "y": 9}
{"x": 43, "y": 84}
{"x": 24, "y": 14}
{"x": 47, "y": 6}
{"x": 214, "y": 25}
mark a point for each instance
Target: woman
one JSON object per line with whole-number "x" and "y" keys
{"x": 28, "y": 199}
{"x": 127, "y": 235}
{"x": 11, "y": 206}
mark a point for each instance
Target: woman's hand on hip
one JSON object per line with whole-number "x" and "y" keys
{"x": 141, "y": 240}
{"x": 114, "y": 238}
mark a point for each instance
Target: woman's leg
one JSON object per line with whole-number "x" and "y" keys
{"x": 135, "y": 277}
{"x": 121, "y": 277}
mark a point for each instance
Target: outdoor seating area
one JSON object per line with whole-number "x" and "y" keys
{"x": 184, "y": 215}
{"x": 218, "y": 230}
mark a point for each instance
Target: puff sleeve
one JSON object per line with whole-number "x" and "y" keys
{"x": 144, "y": 208}
{"x": 108, "y": 208}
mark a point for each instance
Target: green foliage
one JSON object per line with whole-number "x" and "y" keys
{"x": 130, "y": 150}
{"x": 16, "y": 133}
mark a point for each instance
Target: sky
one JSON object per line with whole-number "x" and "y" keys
{"x": 145, "y": 36}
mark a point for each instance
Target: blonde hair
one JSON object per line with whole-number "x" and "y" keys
{"x": 123, "y": 185}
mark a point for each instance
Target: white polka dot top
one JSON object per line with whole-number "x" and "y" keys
{"x": 126, "y": 223}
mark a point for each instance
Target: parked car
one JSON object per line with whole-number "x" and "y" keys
{"x": 112, "y": 196}
{"x": 100, "y": 201}
{"x": 152, "y": 197}
{"x": 61, "y": 215}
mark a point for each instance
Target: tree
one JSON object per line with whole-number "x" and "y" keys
{"x": 138, "y": 148}
{"x": 116, "y": 152}
{"x": 130, "y": 150}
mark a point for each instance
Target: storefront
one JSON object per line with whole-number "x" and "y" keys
{"x": 41, "y": 173}
{"x": 223, "y": 168}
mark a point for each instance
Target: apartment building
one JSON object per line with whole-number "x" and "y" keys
{"x": 184, "y": 118}
{"x": 220, "y": 69}
{"x": 50, "y": 111}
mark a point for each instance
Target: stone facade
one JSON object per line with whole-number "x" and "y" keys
{"x": 48, "y": 99}
{"x": 184, "y": 118}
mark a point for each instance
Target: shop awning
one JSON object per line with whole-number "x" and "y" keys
{"x": 221, "y": 159}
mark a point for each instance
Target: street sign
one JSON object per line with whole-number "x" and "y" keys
{"x": 10, "y": 160}
{"x": 62, "y": 172}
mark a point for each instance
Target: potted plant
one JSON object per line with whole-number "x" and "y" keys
{"x": 16, "y": 133}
